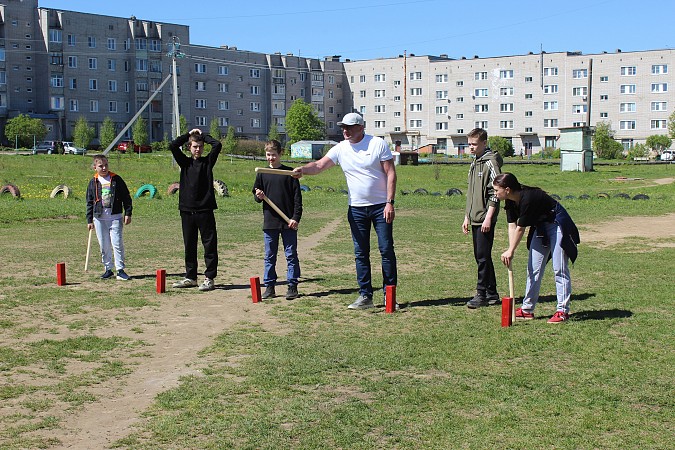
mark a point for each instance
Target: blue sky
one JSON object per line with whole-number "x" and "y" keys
{"x": 369, "y": 29}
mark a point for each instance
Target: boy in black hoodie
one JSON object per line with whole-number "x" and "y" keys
{"x": 196, "y": 202}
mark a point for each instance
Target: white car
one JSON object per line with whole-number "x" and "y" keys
{"x": 668, "y": 155}
{"x": 69, "y": 147}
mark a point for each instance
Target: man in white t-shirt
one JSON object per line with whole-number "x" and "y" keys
{"x": 368, "y": 165}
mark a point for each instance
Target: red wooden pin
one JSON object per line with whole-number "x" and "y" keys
{"x": 255, "y": 289}
{"x": 61, "y": 274}
{"x": 390, "y": 301}
{"x": 507, "y": 306}
{"x": 160, "y": 283}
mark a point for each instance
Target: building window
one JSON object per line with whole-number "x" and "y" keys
{"x": 506, "y": 91}
{"x": 551, "y": 106}
{"x": 200, "y": 121}
{"x": 155, "y": 45}
{"x": 397, "y": 83}
{"x": 255, "y": 123}
{"x": 550, "y": 123}
{"x": 659, "y": 69}
{"x": 550, "y": 71}
{"x": 579, "y": 109}
{"x": 93, "y": 84}
{"x": 628, "y": 71}
{"x": 481, "y": 108}
{"x": 528, "y": 96}
{"x": 380, "y": 77}
{"x": 506, "y": 124}
{"x": 460, "y": 83}
{"x": 415, "y": 123}
{"x": 255, "y": 106}
{"x": 528, "y": 79}
{"x": 506, "y": 107}
{"x": 73, "y": 83}
{"x": 628, "y": 89}
{"x": 659, "y": 87}
{"x": 362, "y": 94}
{"x": 200, "y": 85}
{"x": 223, "y": 105}
{"x": 255, "y": 90}
{"x": 141, "y": 86}
{"x": 223, "y": 121}
{"x": 659, "y": 106}
{"x": 481, "y": 124}
{"x": 254, "y": 73}
{"x": 72, "y": 62}
{"x": 112, "y": 44}
{"x": 141, "y": 65}
{"x": 441, "y": 78}
{"x": 528, "y": 113}
{"x": 604, "y": 79}
{"x": 604, "y": 115}
{"x": 57, "y": 80}
{"x": 459, "y": 116}
{"x": 658, "y": 124}
{"x": 112, "y": 65}
{"x": 481, "y": 92}
{"x": 459, "y": 99}
{"x": 580, "y": 91}
{"x": 578, "y": 124}
{"x": 112, "y": 85}
{"x": 91, "y": 42}
{"x": 580, "y": 73}
{"x": 604, "y": 97}
{"x": 506, "y": 74}
{"x": 380, "y": 108}
{"x": 200, "y": 103}
{"x": 112, "y": 106}
{"x": 379, "y": 93}
{"x": 200, "y": 68}
{"x": 73, "y": 105}
{"x": 627, "y": 125}
{"x": 480, "y": 76}
{"x": 415, "y": 75}
{"x": 442, "y": 109}
{"x": 627, "y": 107}
{"x": 223, "y": 70}
{"x": 93, "y": 106}
{"x": 380, "y": 124}
{"x": 416, "y": 92}
{"x": 416, "y": 107}
{"x": 550, "y": 89}
{"x": 441, "y": 126}
{"x": 93, "y": 63}
{"x": 57, "y": 102}
{"x": 71, "y": 40}
{"x": 362, "y": 79}
{"x": 55, "y": 35}
{"x": 441, "y": 95}
{"x": 528, "y": 129}
{"x": 397, "y": 98}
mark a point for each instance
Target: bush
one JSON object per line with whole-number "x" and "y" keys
{"x": 638, "y": 151}
{"x": 160, "y": 146}
{"x": 249, "y": 148}
{"x": 550, "y": 153}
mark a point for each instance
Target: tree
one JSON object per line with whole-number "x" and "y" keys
{"x": 83, "y": 133}
{"x": 107, "y": 133}
{"x": 273, "y": 134}
{"x": 25, "y": 131}
{"x": 182, "y": 124}
{"x": 214, "y": 129}
{"x": 302, "y": 123}
{"x": 140, "y": 132}
{"x": 500, "y": 145}
{"x": 604, "y": 144}
{"x": 671, "y": 125}
{"x": 659, "y": 142}
{"x": 230, "y": 141}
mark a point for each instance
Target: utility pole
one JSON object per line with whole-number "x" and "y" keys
{"x": 175, "y": 53}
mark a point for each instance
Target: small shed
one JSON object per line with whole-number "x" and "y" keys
{"x": 310, "y": 149}
{"x": 576, "y": 151}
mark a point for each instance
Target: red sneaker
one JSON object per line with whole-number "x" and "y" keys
{"x": 559, "y": 317}
{"x": 520, "y": 314}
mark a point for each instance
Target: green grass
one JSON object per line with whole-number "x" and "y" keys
{"x": 435, "y": 375}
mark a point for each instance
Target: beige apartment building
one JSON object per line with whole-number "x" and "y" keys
{"x": 429, "y": 102}
{"x": 59, "y": 65}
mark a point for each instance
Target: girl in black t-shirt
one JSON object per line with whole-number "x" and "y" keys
{"x": 553, "y": 235}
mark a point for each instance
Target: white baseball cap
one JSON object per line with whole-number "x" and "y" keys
{"x": 351, "y": 119}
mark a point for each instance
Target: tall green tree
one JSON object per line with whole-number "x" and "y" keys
{"x": 139, "y": 132}
{"x": 273, "y": 134}
{"x": 604, "y": 144}
{"x": 25, "y": 131}
{"x": 230, "y": 141}
{"x": 214, "y": 129}
{"x": 107, "y": 133}
{"x": 659, "y": 142}
{"x": 83, "y": 133}
{"x": 500, "y": 145}
{"x": 302, "y": 123}
{"x": 671, "y": 125}
{"x": 183, "y": 125}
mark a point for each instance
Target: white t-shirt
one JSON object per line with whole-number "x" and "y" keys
{"x": 106, "y": 200}
{"x": 362, "y": 165}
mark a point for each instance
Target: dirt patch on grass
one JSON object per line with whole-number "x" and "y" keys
{"x": 655, "y": 232}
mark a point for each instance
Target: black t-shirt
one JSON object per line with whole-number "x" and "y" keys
{"x": 535, "y": 206}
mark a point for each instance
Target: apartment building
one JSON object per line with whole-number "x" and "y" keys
{"x": 60, "y": 65}
{"x": 428, "y": 101}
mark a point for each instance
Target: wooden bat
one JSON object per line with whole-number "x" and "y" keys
{"x": 86, "y": 260}
{"x": 275, "y": 207}
{"x": 513, "y": 299}
{"x": 274, "y": 171}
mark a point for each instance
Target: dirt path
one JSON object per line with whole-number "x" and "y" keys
{"x": 656, "y": 231}
{"x": 182, "y": 326}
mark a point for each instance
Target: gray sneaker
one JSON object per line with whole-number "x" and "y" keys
{"x": 363, "y": 302}
{"x": 207, "y": 285}
{"x": 270, "y": 292}
{"x": 185, "y": 283}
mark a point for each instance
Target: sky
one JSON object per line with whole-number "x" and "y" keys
{"x": 369, "y": 29}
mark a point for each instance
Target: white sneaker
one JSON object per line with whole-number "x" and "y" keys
{"x": 363, "y": 302}
{"x": 185, "y": 283}
{"x": 207, "y": 285}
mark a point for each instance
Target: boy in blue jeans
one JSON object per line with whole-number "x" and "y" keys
{"x": 283, "y": 191}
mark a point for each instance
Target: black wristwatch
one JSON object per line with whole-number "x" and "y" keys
{"x": 391, "y": 202}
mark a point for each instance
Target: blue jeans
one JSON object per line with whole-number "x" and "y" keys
{"x": 290, "y": 238}
{"x": 540, "y": 249}
{"x": 109, "y": 235}
{"x": 360, "y": 220}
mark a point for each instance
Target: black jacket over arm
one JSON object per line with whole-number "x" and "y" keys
{"x": 196, "y": 175}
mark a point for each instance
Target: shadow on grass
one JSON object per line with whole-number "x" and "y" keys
{"x": 575, "y": 298}
{"x": 602, "y": 314}
{"x": 332, "y": 292}
{"x": 440, "y": 302}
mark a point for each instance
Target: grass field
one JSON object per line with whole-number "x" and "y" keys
{"x": 309, "y": 373}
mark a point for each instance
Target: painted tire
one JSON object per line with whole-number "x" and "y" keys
{"x": 304, "y": 188}
{"x": 173, "y": 188}
{"x": 603, "y": 195}
{"x": 220, "y": 188}
{"x": 421, "y": 191}
{"x": 453, "y": 191}
{"x": 61, "y": 189}
{"x": 149, "y": 188}
{"x": 12, "y": 189}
